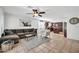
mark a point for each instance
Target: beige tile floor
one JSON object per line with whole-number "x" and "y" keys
{"x": 56, "y": 44}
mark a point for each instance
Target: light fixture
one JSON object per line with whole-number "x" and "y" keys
{"x": 35, "y": 14}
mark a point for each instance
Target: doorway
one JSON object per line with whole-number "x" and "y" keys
{"x": 57, "y": 27}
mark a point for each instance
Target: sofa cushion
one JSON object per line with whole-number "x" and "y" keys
{"x": 8, "y": 33}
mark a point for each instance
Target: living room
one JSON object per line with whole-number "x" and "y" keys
{"x": 34, "y": 25}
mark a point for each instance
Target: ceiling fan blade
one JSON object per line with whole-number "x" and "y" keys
{"x": 40, "y": 15}
{"x": 29, "y": 13}
{"x": 41, "y": 12}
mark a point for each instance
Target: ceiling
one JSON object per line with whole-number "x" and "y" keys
{"x": 51, "y": 11}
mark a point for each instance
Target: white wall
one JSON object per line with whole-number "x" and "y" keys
{"x": 72, "y": 30}
{"x": 34, "y": 23}
{"x": 41, "y": 25}
{"x": 12, "y": 21}
{"x": 1, "y": 21}
{"x": 37, "y": 24}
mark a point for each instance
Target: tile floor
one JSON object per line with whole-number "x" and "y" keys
{"x": 56, "y": 44}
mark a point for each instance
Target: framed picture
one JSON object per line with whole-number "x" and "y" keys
{"x": 74, "y": 20}
{"x": 26, "y": 23}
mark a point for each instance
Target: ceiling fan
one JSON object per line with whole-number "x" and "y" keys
{"x": 36, "y": 12}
